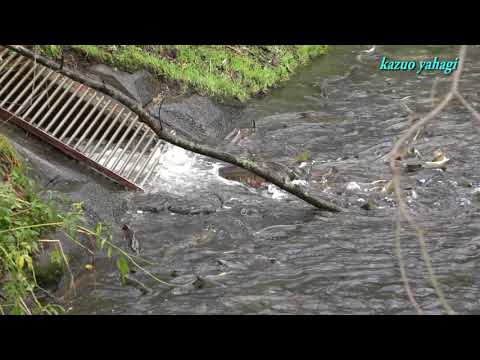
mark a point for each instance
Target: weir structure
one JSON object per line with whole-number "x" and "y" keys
{"x": 77, "y": 120}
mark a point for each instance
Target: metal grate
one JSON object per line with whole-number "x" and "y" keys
{"x": 77, "y": 120}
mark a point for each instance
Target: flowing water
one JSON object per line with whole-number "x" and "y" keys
{"x": 261, "y": 251}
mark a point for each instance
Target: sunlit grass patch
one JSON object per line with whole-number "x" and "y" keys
{"x": 220, "y": 71}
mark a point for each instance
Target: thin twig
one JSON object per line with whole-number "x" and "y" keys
{"x": 402, "y": 207}
{"x": 31, "y": 226}
{"x": 469, "y": 107}
{"x": 403, "y": 273}
{"x": 86, "y": 231}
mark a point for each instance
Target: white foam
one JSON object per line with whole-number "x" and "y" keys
{"x": 353, "y": 186}
{"x": 276, "y": 192}
{"x": 179, "y": 171}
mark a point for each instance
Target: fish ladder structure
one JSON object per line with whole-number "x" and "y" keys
{"x": 79, "y": 121}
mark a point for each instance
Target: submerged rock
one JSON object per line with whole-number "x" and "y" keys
{"x": 465, "y": 183}
{"x": 235, "y": 173}
{"x": 412, "y": 165}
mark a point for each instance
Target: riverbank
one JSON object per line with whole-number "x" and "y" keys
{"x": 24, "y": 218}
{"x": 37, "y": 235}
{"x": 224, "y": 72}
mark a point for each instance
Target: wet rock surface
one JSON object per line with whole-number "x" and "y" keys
{"x": 140, "y": 86}
{"x": 197, "y": 118}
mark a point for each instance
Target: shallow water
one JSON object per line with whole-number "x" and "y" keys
{"x": 265, "y": 252}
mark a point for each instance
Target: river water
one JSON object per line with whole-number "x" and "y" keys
{"x": 261, "y": 251}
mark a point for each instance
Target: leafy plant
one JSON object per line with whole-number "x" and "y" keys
{"x": 24, "y": 220}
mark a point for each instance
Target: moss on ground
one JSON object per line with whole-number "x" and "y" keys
{"x": 220, "y": 71}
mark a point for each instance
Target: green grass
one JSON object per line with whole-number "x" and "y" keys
{"x": 220, "y": 71}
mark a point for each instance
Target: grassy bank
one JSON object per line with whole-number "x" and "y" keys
{"x": 220, "y": 71}
{"x": 21, "y": 216}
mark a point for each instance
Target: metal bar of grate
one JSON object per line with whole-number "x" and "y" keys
{"x": 106, "y": 132}
{"x": 86, "y": 120}
{"x": 90, "y": 127}
{"x": 114, "y": 166}
{"x": 12, "y": 79}
{"x": 20, "y": 83}
{"x": 114, "y": 136}
{"x": 63, "y": 112}
{"x": 7, "y": 60}
{"x": 54, "y": 106}
{"x": 10, "y": 69}
{"x": 119, "y": 143}
{"x": 34, "y": 91}
{"x": 124, "y": 152}
{"x": 127, "y": 162}
{"x": 102, "y": 125}
{"x": 3, "y": 53}
{"x": 66, "y": 117}
{"x": 140, "y": 164}
{"x": 16, "y": 87}
{"x": 80, "y": 113}
{"x": 152, "y": 169}
{"x": 68, "y": 150}
{"x": 62, "y": 109}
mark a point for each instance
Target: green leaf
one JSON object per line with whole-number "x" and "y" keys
{"x": 123, "y": 268}
{"x": 122, "y": 265}
{"x": 98, "y": 229}
{"x": 56, "y": 257}
{"x": 20, "y": 261}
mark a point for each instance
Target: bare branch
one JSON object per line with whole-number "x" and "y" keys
{"x": 402, "y": 206}
{"x": 469, "y": 107}
{"x": 406, "y": 284}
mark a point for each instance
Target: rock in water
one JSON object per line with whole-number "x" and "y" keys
{"x": 412, "y": 165}
{"x": 197, "y": 118}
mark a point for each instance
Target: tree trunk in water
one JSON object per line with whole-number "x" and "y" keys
{"x": 156, "y": 126}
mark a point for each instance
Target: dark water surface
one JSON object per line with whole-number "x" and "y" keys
{"x": 263, "y": 252}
